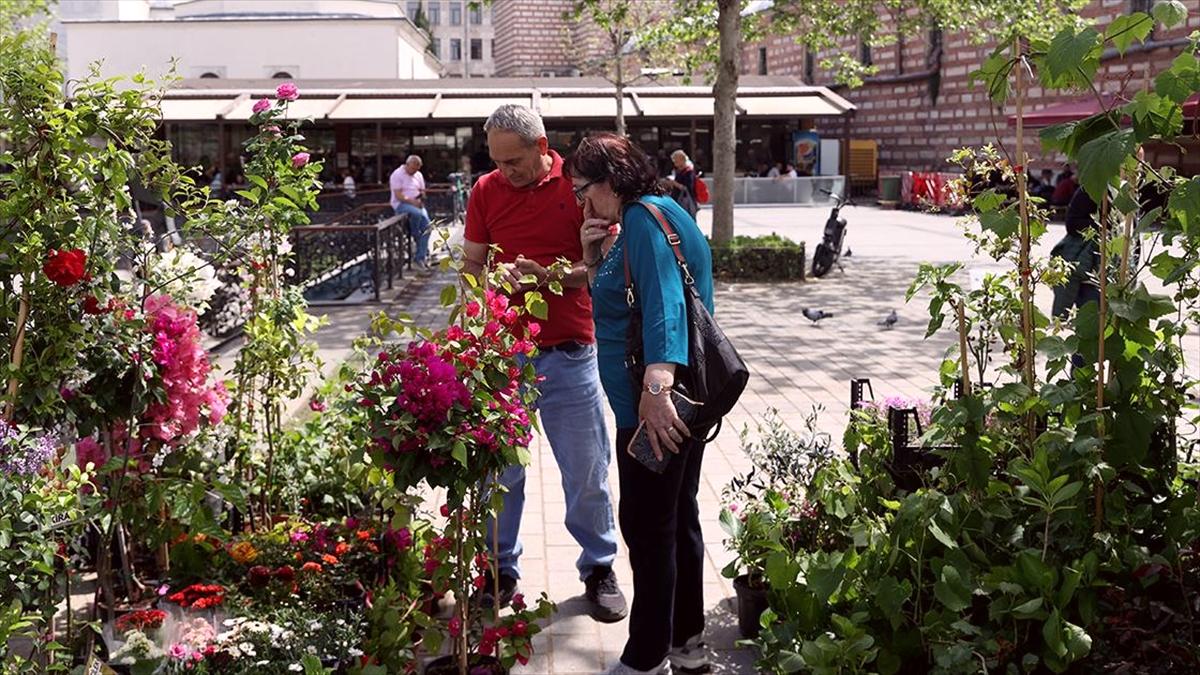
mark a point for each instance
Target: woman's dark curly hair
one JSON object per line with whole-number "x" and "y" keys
{"x": 614, "y": 158}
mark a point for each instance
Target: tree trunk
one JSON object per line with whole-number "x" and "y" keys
{"x": 729, "y": 27}
{"x": 620, "y": 87}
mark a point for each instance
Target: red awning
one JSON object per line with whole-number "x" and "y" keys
{"x": 1072, "y": 111}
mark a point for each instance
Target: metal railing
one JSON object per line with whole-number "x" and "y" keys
{"x": 807, "y": 190}
{"x": 332, "y": 260}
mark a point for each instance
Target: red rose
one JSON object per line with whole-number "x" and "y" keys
{"x": 92, "y": 306}
{"x": 259, "y": 576}
{"x": 65, "y": 268}
{"x": 285, "y": 573}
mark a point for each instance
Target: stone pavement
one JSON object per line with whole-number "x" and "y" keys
{"x": 795, "y": 366}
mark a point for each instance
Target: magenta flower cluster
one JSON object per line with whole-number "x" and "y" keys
{"x": 459, "y": 389}
{"x": 183, "y": 368}
{"x": 879, "y": 409}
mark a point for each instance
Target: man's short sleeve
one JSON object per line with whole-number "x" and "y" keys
{"x": 394, "y": 181}
{"x": 476, "y": 229}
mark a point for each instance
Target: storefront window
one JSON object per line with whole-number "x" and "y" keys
{"x": 364, "y": 151}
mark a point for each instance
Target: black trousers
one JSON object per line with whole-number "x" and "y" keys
{"x": 660, "y": 522}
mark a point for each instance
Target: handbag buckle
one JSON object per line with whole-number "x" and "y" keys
{"x": 673, "y": 239}
{"x": 687, "y": 274}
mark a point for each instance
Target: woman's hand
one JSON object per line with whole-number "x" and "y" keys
{"x": 593, "y": 235}
{"x": 663, "y": 426}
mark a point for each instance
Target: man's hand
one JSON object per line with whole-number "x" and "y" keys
{"x": 512, "y": 273}
{"x": 526, "y": 266}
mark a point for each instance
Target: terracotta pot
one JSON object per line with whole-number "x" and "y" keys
{"x": 752, "y": 602}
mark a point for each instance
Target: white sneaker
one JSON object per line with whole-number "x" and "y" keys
{"x": 620, "y": 668}
{"x": 692, "y": 657}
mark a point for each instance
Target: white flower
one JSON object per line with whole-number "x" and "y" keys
{"x": 311, "y": 650}
{"x": 295, "y": 667}
{"x": 186, "y": 276}
{"x": 354, "y": 652}
{"x": 247, "y": 649}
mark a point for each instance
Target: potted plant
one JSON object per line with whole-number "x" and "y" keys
{"x": 761, "y": 507}
{"x": 451, "y": 410}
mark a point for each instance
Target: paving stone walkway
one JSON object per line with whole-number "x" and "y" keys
{"x": 795, "y": 366}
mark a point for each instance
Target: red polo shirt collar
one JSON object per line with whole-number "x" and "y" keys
{"x": 556, "y": 171}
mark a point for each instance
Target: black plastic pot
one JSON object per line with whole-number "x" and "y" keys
{"x": 752, "y": 602}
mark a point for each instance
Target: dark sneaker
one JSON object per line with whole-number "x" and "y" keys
{"x": 486, "y": 596}
{"x": 690, "y": 658}
{"x": 608, "y": 603}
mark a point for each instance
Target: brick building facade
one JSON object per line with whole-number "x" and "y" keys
{"x": 920, "y": 106}
{"x": 531, "y": 39}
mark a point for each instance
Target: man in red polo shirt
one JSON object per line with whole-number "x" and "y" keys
{"x": 528, "y": 209}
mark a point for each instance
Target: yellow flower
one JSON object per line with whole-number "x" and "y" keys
{"x": 243, "y": 552}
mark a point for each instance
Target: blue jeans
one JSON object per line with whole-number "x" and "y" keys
{"x": 571, "y": 407}
{"x": 418, "y": 228}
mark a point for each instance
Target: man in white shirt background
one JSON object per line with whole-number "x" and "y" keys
{"x": 408, "y": 198}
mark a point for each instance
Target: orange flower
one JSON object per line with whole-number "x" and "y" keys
{"x": 329, "y": 560}
{"x": 363, "y": 535}
{"x": 243, "y": 552}
{"x": 298, "y": 556}
{"x": 311, "y": 567}
{"x": 372, "y": 547}
{"x": 342, "y": 548}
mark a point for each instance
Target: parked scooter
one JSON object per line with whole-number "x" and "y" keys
{"x": 829, "y": 251}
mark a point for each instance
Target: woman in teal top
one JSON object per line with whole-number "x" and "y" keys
{"x": 658, "y": 512}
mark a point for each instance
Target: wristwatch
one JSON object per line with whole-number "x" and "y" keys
{"x": 657, "y": 388}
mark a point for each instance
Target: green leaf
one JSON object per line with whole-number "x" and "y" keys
{"x": 941, "y": 535}
{"x": 1100, "y": 160}
{"x": 258, "y": 180}
{"x": 890, "y": 596}
{"x": 538, "y": 307}
{"x": 1184, "y": 204}
{"x": 449, "y": 295}
{"x": 1052, "y": 633}
{"x": 731, "y": 523}
{"x": 1072, "y": 58}
{"x": 459, "y": 453}
{"x": 1003, "y": 223}
{"x": 951, "y": 590}
{"x": 1127, "y": 29}
{"x": 1027, "y": 610}
{"x": 1180, "y": 80}
{"x": 1169, "y": 12}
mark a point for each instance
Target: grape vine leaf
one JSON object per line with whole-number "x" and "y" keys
{"x": 1127, "y": 29}
{"x": 1169, "y": 12}
{"x": 1100, "y": 160}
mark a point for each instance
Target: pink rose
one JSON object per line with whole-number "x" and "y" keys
{"x": 261, "y": 105}
{"x": 287, "y": 92}
{"x": 299, "y": 159}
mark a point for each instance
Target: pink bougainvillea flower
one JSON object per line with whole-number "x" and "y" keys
{"x": 273, "y": 130}
{"x": 455, "y": 627}
{"x": 261, "y": 105}
{"x": 65, "y": 268}
{"x": 299, "y": 159}
{"x": 317, "y": 405}
{"x": 287, "y": 92}
{"x": 472, "y": 309}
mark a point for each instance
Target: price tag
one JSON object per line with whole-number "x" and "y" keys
{"x": 95, "y": 666}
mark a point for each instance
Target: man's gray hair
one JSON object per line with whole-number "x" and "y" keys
{"x": 519, "y": 119}
{"x": 679, "y": 153}
{"x": 414, "y": 158}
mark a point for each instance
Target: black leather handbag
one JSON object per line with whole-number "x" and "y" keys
{"x": 715, "y": 376}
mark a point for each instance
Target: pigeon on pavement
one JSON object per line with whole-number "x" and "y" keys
{"x": 889, "y": 320}
{"x": 847, "y": 254}
{"x": 815, "y": 315}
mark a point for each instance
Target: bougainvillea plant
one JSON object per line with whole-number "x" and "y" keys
{"x": 452, "y": 409}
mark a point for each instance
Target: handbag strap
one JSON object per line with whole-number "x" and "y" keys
{"x": 672, "y": 238}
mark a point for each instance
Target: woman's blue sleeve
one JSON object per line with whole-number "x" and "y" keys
{"x": 659, "y": 286}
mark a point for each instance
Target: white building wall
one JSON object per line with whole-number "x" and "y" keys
{"x": 251, "y": 49}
